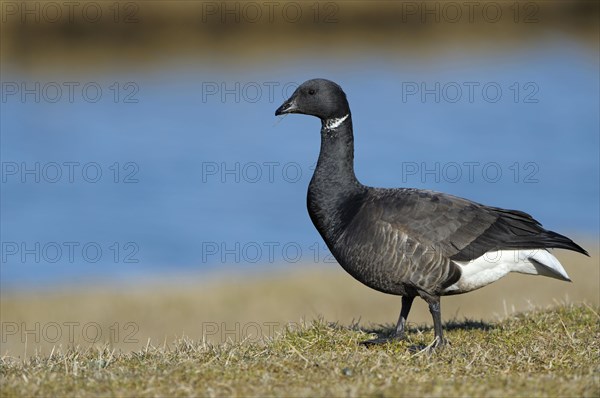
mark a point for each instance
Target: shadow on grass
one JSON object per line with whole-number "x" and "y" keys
{"x": 384, "y": 332}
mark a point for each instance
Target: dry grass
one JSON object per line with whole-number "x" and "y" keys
{"x": 548, "y": 353}
{"x": 230, "y": 334}
{"x": 235, "y": 302}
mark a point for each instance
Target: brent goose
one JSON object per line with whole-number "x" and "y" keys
{"x": 412, "y": 242}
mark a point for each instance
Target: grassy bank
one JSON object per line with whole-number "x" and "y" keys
{"x": 295, "y": 332}
{"x": 543, "y": 353}
{"x": 236, "y": 304}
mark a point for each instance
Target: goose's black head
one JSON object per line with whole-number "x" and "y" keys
{"x": 317, "y": 97}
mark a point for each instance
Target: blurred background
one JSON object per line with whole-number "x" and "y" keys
{"x": 147, "y": 185}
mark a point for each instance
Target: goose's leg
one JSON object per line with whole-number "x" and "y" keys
{"x": 434, "y": 308}
{"x": 406, "y": 304}
{"x": 398, "y": 334}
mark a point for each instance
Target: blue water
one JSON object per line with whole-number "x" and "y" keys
{"x": 191, "y": 180}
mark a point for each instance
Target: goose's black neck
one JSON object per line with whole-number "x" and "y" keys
{"x": 335, "y": 166}
{"x": 334, "y": 186}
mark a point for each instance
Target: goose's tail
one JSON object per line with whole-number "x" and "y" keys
{"x": 494, "y": 265}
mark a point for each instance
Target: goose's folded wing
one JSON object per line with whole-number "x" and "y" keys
{"x": 461, "y": 229}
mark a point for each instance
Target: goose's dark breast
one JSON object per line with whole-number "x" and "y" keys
{"x": 385, "y": 258}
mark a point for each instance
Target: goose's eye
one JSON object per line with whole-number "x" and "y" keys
{"x": 311, "y": 92}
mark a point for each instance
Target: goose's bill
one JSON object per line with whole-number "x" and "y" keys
{"x": 288, "y": 106}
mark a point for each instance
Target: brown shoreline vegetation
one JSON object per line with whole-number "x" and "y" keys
{"x": 93, "y": 34}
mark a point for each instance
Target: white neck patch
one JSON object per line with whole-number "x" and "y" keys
{"x": 331, "y": 124}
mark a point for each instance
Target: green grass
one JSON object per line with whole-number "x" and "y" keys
{"x": 554, "y": 352}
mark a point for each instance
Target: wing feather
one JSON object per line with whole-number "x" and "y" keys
{"x": 461, "y": 229}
